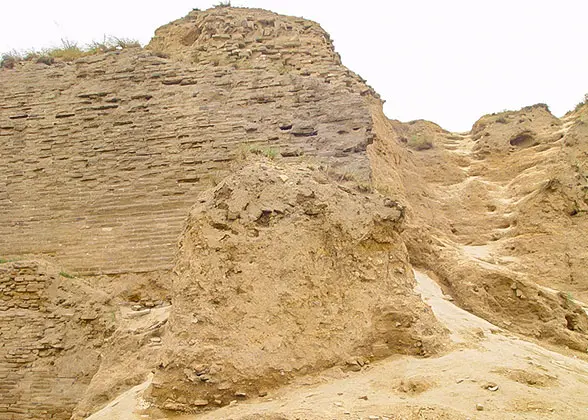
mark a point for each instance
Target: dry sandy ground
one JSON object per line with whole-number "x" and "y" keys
{"x": 489, "y": 374}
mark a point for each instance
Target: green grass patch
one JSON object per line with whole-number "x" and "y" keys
{"x": 419, "y": 142}
{"x": 268, "y": 152}
{"x": 581, "y": 104}
{"x": 67, "y": 51}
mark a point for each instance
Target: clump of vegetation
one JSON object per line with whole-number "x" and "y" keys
{"x": 419, "y": 142}
{"x": 268, "y": 152}
{"x": 347, "y": 176}
{"x": 364, "y": 187}
{"x": 45, "y": 60}
{"x": 66, "y": 275}
{"x": 10, "y": 59}
{"x": 582, "y": 103}
{"x": 223, "y": 4}
{"x": 245, "y": 151}
{"x": 67, "y": 51}
{"x": 539, "y": 105}
{"x": 123, "y": 43}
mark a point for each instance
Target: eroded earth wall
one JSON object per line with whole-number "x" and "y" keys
{"x": 51, "y": 331}
{"x": 101, "y": 158}
{"x": 108, "y": 160}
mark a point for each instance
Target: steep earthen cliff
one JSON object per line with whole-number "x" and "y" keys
{"x": 102, "y": 157}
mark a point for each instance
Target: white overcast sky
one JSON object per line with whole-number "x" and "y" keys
{"x": 446, "y": 61}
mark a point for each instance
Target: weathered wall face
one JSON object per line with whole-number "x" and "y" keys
{"x": 250, "y": 38}
{"x": 65, "y": 345}
{"x": 44, "y": 368}
{"x": 24, "y": 393}
{"x": 102, "y": 158}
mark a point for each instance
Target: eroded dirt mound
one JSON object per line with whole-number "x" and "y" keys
{"x": 281, "y": 273}
{"x": 499, "y": 214}
{"x": 494, "y": 375}
{"x": 67, "y": 347}
{"x": 251, "y": 38}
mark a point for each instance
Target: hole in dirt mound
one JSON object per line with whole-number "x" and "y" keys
{"x": 572, "y": 322}
{"x": 524, "y": 139}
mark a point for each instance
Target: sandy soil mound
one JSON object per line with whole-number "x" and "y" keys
{"x": 282, "y": 273}
{"x": 246, "y": 38}
{"x": 490, "y": 375}
{"x": 500, "y": 214}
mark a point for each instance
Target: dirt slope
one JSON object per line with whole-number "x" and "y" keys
{"x": 490, "y": 374}
{"x": 500, "y": 219}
